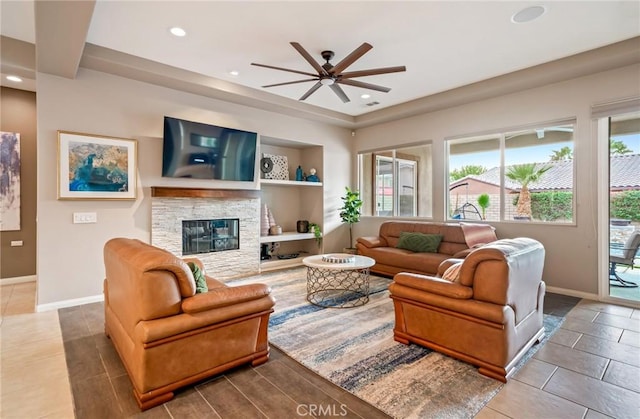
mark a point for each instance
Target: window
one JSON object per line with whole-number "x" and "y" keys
{"x": 396, "y": 183}
{"x": 524, "y": 175}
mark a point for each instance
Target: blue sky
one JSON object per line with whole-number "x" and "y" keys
{"x": 537, "y": 154}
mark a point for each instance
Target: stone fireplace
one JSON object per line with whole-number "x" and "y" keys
{"x": 236, "y": 212}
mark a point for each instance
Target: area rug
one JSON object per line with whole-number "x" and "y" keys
{"x": 354, "y": 348}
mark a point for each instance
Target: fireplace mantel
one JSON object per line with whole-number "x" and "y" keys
{"x": 174, "y": 192}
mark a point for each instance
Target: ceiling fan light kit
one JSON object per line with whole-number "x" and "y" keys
{"x": 333, "y": 75}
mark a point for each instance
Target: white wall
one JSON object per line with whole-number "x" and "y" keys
{"x": 571, "y": 250}
{"x": 69, "y": 261}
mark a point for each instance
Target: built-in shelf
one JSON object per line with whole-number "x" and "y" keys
{"x": 286, "y": 237}
{"x": 288, "y": 182}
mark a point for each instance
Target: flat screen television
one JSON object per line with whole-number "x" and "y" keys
{"x": 202, "y": 151}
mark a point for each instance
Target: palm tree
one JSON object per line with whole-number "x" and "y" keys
{"x": 565, "y": 153}
{"x": 618, "y": 147}
{"x": 525, "y": 174}
{"x": 472, "y": 169}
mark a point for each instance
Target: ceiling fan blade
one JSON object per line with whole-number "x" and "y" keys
{"x": 364, "y": 85}
{"x": 309, "y": 58}
{"x": 290, "y": 82}
{"x": 351, "y": 58}
{"x": 310, "y": 91}
{"x": 285, "y": 69}
{"x": 372, "y": 72}
{"x": 338, "y": 91}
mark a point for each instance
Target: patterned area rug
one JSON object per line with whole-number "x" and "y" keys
{"x": 354, "y": 348}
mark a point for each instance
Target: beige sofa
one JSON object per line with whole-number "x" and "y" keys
{"x": 391, "y": 260}
{"x": 169, "y": 336}
{"x": 489, "y": 315}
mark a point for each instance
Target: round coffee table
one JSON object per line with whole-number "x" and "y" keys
{"x": 338, "y": 280}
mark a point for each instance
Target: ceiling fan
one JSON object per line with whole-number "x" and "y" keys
{"x": 333, "y": 75}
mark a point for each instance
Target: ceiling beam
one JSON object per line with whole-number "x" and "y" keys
{"x": 17, "y": 57}
{"x": 61, "y": 32}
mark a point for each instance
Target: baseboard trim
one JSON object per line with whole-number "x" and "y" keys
{"x": 18, "y": 280}
{"x": 69, "y": 303}
{"x": 573, "y": 293}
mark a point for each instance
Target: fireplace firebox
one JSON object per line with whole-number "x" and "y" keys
{"x": 205, "y": 236}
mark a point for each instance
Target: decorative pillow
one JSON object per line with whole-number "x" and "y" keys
{"x": 419, "y": 242}
{"x": 201, "y": 282}
{"x": 453, "y": 272}
{"x": 478, "y": 234}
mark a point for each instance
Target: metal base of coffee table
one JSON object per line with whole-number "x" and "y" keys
{"x": 338, "y": 285}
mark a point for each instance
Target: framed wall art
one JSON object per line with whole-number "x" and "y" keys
{"x": 9, "y": 181}
{"x": 96, "y": 166}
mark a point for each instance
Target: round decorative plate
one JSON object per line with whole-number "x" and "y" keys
{"x": 338, "y": 258}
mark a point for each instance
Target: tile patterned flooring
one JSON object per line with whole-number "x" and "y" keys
{"x": 589, "y": 369}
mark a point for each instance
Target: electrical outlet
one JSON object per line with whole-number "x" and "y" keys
{"x": 16, "y": 243}
{"x": 85, "y": 217}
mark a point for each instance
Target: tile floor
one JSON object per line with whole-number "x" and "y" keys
{"x": 589, "y": 369}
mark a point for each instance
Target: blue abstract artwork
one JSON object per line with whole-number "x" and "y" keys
{"x": 97, "y": 167}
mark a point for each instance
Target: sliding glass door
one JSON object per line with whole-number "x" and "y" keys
{"x": 624, "y": 207}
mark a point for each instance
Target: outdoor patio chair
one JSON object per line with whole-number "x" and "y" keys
{"x": 623, "y": 256}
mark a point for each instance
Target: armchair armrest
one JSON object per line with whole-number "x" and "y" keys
{"x": 372, "y": 241}
{"x": 198, "y": 263}
{"x": 223, "y": 297}
{"x": 463, "y": 253}
{"x": 433, "y": 285}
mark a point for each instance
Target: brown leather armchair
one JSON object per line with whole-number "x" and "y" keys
{"x": 489, "y": 316}
{"x": 167, "y": 335}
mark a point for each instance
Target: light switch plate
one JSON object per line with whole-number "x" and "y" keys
{"x": 85, "y": 217}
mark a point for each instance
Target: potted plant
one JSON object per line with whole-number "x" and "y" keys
{"x": 317, "y": 232}
{"x": 350, "y": 213}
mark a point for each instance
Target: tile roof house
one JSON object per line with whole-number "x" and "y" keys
{"x": 625, "y": 175}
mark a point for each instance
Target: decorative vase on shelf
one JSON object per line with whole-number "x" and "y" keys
{"x": 302, "y": 226}
{"x": 299, "y": 176}
{"x": 312, "y": 176}
{"x": 272, "y": 220}
{"x": 264, "y": 220}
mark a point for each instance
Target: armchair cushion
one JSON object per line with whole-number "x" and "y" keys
{"x": 419, "y": 242}
{"x": 434, "y": 285}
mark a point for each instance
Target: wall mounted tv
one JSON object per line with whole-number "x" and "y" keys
{"x": 202, "y": 151}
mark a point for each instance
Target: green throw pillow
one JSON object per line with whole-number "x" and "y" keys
{"x": 419, "y": 242}
{"x": 201, "y": 282}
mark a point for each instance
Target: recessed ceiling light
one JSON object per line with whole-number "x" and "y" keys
{"x": 177, "y": 31}
{"x": 365, "y": 96}
{"x": 529, "y": 14}
{"x": 14, "y": 78}
{"x": 234, "y": 73}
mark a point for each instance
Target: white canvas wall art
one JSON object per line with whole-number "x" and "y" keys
{"x": 10, "y": 181}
